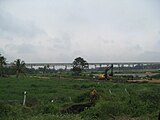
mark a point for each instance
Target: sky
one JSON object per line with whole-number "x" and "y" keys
{"x": 97, "y": 30}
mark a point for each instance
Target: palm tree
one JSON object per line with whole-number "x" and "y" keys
{"x": 20, "y": 66}
{"x": 2, "y": 63}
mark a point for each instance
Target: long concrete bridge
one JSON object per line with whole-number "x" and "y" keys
{"x": 149, "y": 65}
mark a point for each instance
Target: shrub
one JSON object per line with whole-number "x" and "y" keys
{"x": 5, "y": 109}
{"x": 10, "y": 112}
{"x": 48, "y": 109}
{"x": 91, "y": 113}
{"x": 105, "y": 110}
{"x": 32, "y": 102}
{"x": 82, "y": 97}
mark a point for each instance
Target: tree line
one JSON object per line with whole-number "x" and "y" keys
{"x": 18, "y": 67}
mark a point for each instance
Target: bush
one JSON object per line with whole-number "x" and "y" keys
{"x": 91, "y": 113}
{"x": 105, "y": 110}
{"x": 32, "y": 102}
{"x": 82, "y": 97}
{"x": 15, "y": 112}
{"x": 5, "y": 109}
{"x": 48, "y": 109}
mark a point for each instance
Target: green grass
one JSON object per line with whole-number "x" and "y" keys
{"x": 140, "y": 100}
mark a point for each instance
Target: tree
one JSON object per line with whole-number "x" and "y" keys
{"x": 79, "y": 64}
{"x": 20, "y": 66}
{"x": 2, "y": 63}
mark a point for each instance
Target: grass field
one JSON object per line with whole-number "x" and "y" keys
{"x": 121, "y": 101}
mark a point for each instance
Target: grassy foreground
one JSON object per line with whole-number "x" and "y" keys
{"x": 121, "y": 101}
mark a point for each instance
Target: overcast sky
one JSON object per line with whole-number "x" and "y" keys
{"x": 97, "y": 30}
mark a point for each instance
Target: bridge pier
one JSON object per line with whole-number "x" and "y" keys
{"x": 100, "y": 65}
{"x": 95, "y": 66}
{"x": 65, "y": 68}
{"x": 53, "y": 67}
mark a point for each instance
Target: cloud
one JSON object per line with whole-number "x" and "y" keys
{"x": 1, "y": 51}
{"x": 100, "y": 31}
{"x": 21, "y": 49}
{"x": 12, "y": 27}
{"x": 24, "y": 51}
{"x": 61, "y": 42}
{"x": 149, "y": 56}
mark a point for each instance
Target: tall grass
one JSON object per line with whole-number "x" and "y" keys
{"x": 46, "y": 97}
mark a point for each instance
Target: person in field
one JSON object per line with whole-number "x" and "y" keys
{"x": 93, "y": 96}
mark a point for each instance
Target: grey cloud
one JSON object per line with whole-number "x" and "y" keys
{"x": 1, "y": 51}
{"x": 4, "y": 53}
{"x": 126, "y": 29}
{"x": 158, "y": 43}
{"x": 61, "y": 42}
{"x": 149, "y": 56}
{"x": 21, "y": 49}
{"x": 105, "y": 40}
{"x": 137, "y": 47}
{"x": 10, "y": 27}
